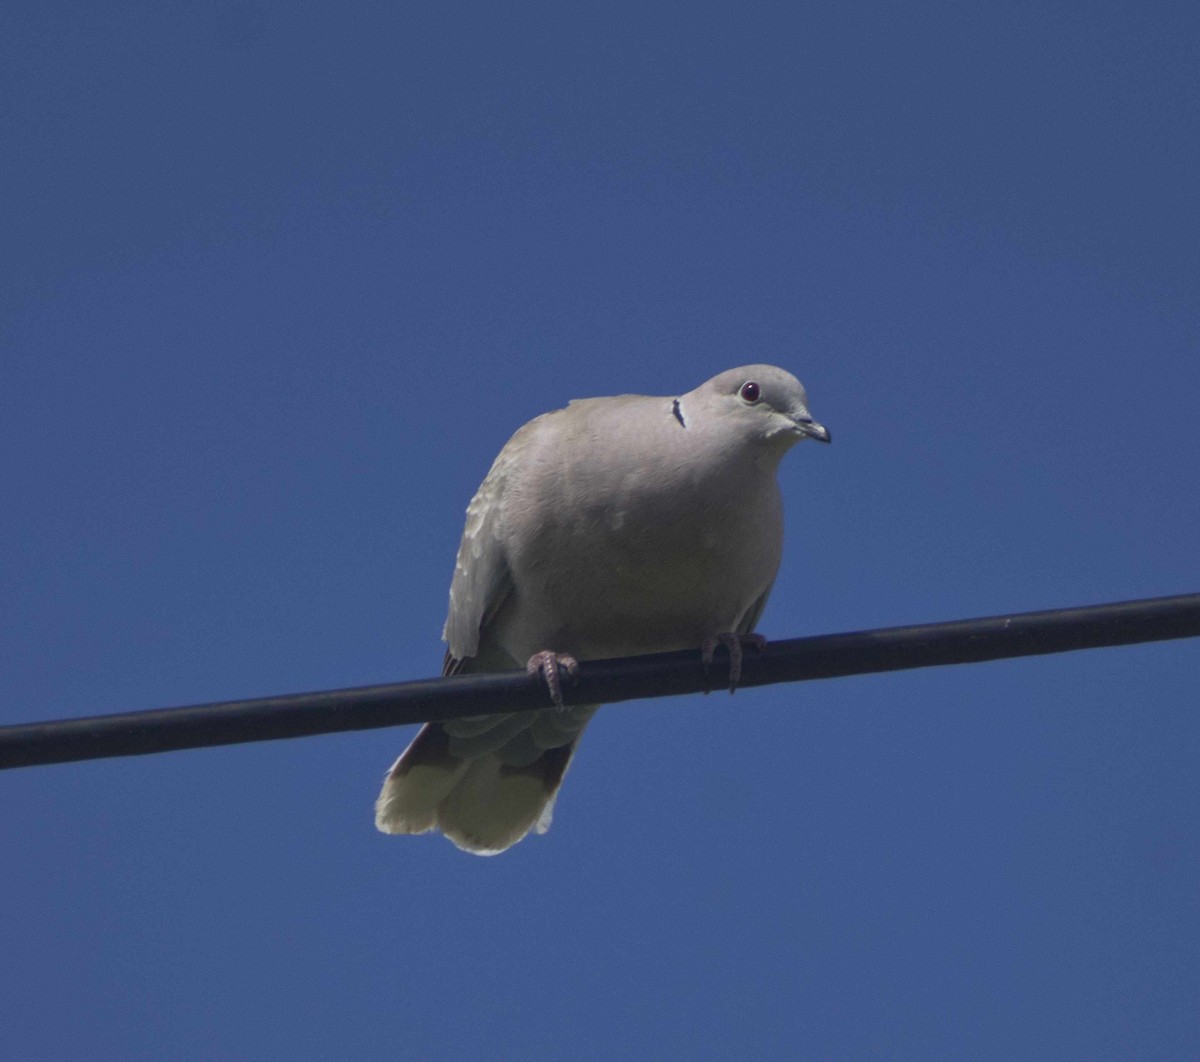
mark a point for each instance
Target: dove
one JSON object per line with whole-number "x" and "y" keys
{"x": 613, "y": 527}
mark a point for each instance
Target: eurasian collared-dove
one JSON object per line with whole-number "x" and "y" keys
{"x": 614, "y": 527}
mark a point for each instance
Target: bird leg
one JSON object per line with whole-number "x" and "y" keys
{"x": 734, "y": 643}
{"x": 551, "y": 667}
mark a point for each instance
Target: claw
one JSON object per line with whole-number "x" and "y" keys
{"x": 734, "y": 643}
{"x": 551, "y": 667}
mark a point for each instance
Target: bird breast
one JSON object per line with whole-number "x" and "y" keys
{"x": 628, "y": 567}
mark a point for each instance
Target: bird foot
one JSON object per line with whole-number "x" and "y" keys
{"x": 551, "y": 667}
{"x": 734, "y": 644}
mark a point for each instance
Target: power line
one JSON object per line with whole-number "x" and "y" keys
{"x": 599, "y": 682}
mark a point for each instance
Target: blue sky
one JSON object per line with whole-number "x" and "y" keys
{"x": 279, "y": 280}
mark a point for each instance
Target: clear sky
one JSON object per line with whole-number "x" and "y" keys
{"x": 276, "y": 283}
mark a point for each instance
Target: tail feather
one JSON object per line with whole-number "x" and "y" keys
{"x": 418, "y": 782}
{"x": 473, "y": 746}
{"x": 484, "y": 803}
{"x": 494, "y": 806}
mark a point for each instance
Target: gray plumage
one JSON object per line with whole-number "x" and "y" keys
{"x": 613, "y": 527}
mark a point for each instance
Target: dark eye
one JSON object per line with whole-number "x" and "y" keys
{"x": 750, "y": 392}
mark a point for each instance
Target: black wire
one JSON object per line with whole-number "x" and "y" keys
{"x": 599, "y": 682}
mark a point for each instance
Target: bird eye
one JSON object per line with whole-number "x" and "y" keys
{"x": 750, "y": 392}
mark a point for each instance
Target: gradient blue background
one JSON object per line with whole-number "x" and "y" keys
{"x": 277, "y": 282}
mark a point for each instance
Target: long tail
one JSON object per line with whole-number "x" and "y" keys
{"x": 485, "y": 782}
